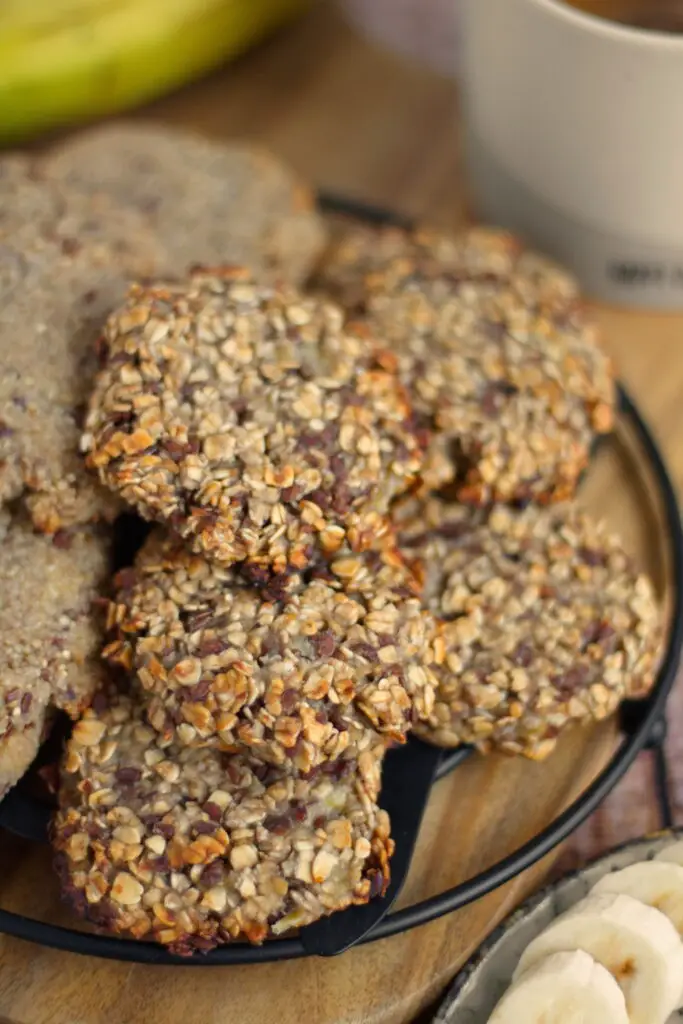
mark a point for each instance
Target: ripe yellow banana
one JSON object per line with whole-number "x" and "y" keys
{"x": 64, "y": 61}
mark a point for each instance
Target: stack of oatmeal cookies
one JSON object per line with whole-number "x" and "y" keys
{"x": 358, "y": 457}
{"x": 76, "y": 226}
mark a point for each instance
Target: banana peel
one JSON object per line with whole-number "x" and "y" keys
{"x": 68, "y": 61}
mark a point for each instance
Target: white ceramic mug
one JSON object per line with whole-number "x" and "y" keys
{"x": 574, "y": 139}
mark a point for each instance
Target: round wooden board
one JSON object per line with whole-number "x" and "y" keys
{"x": 319, "y": 96}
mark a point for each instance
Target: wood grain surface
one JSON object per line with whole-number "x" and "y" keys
{"x": 359, "y": 121}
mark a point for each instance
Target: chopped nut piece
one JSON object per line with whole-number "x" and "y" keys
{"x": 157, "y": 844}
{"x": 126, "y": 890}
{"x": 215, "y": 899}
{"x": 88, "y": 732}
{"x": 243, "y": 856}
{"x": 323, "y": 864}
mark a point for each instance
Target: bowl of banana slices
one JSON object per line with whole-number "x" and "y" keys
{"x": 601, "y": 946}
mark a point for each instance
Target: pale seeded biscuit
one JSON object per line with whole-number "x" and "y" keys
{"x": 19, "y": 749}
{"x": 50, "y": 634}
{"x": 546, "y": 622}
{"x": 249, "y": 419}
{"x": 22, "y": 712}
{"x": 497, "y": 355}
{"x": 192, "y": 848}
{"x": 58, "y": 289}
{"x": 306, "y": 674}
{"x": 208, "y": 202}
{"x": 29, "y": 207}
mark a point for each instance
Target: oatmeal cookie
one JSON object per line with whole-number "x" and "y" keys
{"x": 208, "y": 202}
{"x": 546, "y": 622}
{"x": 361, "y": 250}
{"x": 306, "y": 674}
{"x": 50, "y": 637}
{"x": 193, "y": 848}
{"x": 498, "y": 357}
{"x": 353, "y": 252}
{"x": 57, "y": 289}
{"x": 249, "y": 419}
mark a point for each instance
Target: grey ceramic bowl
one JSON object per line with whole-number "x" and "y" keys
{"x": 478, "y": 987}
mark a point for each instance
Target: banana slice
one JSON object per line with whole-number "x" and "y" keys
{"x": 637, "y": 944}
{"x": 565, "y": 988}
{"x": 672, "y": 854}
{"x": 656, "y": 883}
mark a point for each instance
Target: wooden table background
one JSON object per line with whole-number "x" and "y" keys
{"x": 359, "y": 121}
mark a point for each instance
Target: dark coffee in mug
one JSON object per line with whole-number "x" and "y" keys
{"x": 656, "y": 15}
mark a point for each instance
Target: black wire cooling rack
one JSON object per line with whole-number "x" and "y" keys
{"x": 409, "y": 775}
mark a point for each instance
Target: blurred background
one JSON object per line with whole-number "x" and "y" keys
{"x": 65, "y": 62}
